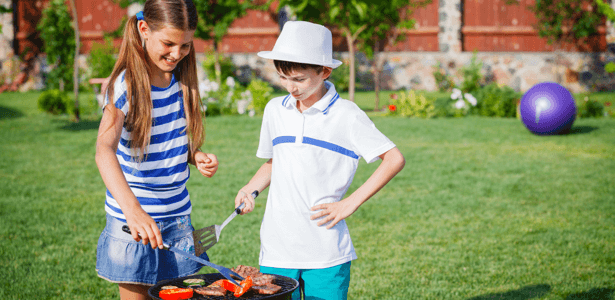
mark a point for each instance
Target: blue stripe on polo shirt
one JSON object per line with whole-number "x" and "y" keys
{"x": 335, "y": 97}
{"x": 284, "y": 139}
{"x": 330, "y": 146}
{"x": 285, "y": 100}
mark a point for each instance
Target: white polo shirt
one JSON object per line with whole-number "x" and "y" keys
{"x": 315, "y": 155}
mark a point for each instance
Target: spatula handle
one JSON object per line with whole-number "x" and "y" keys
{"x": 240, "y": 207}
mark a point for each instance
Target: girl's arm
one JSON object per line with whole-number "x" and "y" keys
{"x": 259, "y": 182}
{"x": 392, "y": 162}
{"x": 142, "y": 226}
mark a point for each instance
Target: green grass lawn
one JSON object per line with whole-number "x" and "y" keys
{"x": 483, "y": 209}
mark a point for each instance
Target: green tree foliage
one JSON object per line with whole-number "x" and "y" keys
{"x": 348, "y": 16}
{"x": 215, "y": 18}
{"x": 366, "y": 24}
{"x": 562, "y": 21}
{"x": 58, "y": 37}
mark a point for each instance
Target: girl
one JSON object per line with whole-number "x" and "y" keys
{"x": 151, "y": 129}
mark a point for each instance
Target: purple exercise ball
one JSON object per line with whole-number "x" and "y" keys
{"x": 548, "y": 108}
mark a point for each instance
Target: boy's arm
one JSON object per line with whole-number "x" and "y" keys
{"x": 259, "y": 182}
{"x": 107, "y": 141}
{"x": 392, "y": 162}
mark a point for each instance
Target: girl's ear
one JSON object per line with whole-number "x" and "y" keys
{"x": 143, "y": 29}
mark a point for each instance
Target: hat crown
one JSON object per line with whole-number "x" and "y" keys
{"x": 305, "y": 39}
{"x": 303, "y": 42}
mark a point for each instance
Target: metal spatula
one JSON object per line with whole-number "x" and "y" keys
{"x": 207, "y": 237}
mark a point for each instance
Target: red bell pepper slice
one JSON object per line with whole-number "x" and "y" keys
{"x": 176, "y": 294}
{"x": 246, "y": 285}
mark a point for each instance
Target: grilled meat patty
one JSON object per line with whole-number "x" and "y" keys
{"x": 214, "y": 289}
{"x": 266, "y": 289}
{"x": 258, "y": 278}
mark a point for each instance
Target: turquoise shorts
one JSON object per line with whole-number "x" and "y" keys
{"x": 322, "y": 284}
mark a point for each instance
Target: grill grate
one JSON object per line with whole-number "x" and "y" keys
{"x": 288, "y": 286}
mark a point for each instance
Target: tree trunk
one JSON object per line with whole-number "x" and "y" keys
{"x": 350, "y": 39}
{"x": 376, "y": 74}
{"x": 76, "y": 62}
{"x": 351, "y": 80}
{"x": 217, "y": 68}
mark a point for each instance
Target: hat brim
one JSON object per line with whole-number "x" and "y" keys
{"x": 293, "y": 58}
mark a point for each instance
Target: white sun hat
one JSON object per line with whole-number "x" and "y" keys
{"x": 303, "y": 42}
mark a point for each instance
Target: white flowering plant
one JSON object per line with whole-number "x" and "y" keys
{"x": 227, "y": 98}
{"x": 462, "y": 102}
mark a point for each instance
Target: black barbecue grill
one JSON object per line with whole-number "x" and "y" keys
{"x": 288, "y": 286}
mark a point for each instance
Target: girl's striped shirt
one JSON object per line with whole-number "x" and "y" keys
{"x": 159, "y": 181}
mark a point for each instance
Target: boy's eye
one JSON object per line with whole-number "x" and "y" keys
{"x": 168, "y": 44}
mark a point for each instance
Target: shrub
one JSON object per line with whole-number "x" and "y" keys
{"x": 226, "y": 66}
{"x": 101, "y": 59}
{"x": 411, "y": 104}
{"x": 226, "y": 99}
{"x": 54, "y": 101}
{"x": 444, "y": 81}
{"x": 472, "y": 77}
{"x": 588, "y": 108}
{"x": 261, "y": 94}
{"x": 496, "y": 101}
{"x": 58, "y": 35}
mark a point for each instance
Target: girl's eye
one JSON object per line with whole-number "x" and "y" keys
{"x": 186, "y": 46}
{"x": 168, "y": 44}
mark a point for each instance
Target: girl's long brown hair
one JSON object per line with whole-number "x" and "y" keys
{"x": 178, "y": 14}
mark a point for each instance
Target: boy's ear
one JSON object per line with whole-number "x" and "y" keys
{"x": 326, "y": 71}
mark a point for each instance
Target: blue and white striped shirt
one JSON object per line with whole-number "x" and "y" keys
{"x": 158, "y": 182}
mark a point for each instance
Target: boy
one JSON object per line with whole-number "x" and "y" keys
{"x": 313, "y": 140}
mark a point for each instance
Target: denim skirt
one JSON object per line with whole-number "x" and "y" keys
{"x": 121, "y": 259}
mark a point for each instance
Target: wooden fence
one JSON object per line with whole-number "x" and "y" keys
{"x": 488, "y": 25}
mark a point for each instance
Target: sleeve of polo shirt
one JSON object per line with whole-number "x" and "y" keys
{"x": 119, "y": 95}
{"x": 367, "y": 139}
{"x": 265, "y": 144}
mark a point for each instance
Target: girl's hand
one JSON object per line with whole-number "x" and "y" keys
{"x": 144, "y": 229}
{"x": 243, "y": 197}
{"x": 206, "y": 163}
{"x": 334, "y": 212}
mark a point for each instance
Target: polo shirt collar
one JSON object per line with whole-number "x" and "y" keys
{"x": 323, "y": 105}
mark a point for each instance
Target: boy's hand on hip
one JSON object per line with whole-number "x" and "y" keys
{"x": 334, "y": 212}
{"x": 206, "y": 163}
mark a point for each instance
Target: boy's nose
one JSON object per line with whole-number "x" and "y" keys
{"x": 290, "y": 87}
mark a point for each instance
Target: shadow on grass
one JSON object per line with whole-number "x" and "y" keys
{"x": 593, "y": 294}
{"x": 82, "y": 125}
{"x": 9, "y": 113}
{"x": 582, "y": 129}
{"x": 524, "y": 293}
